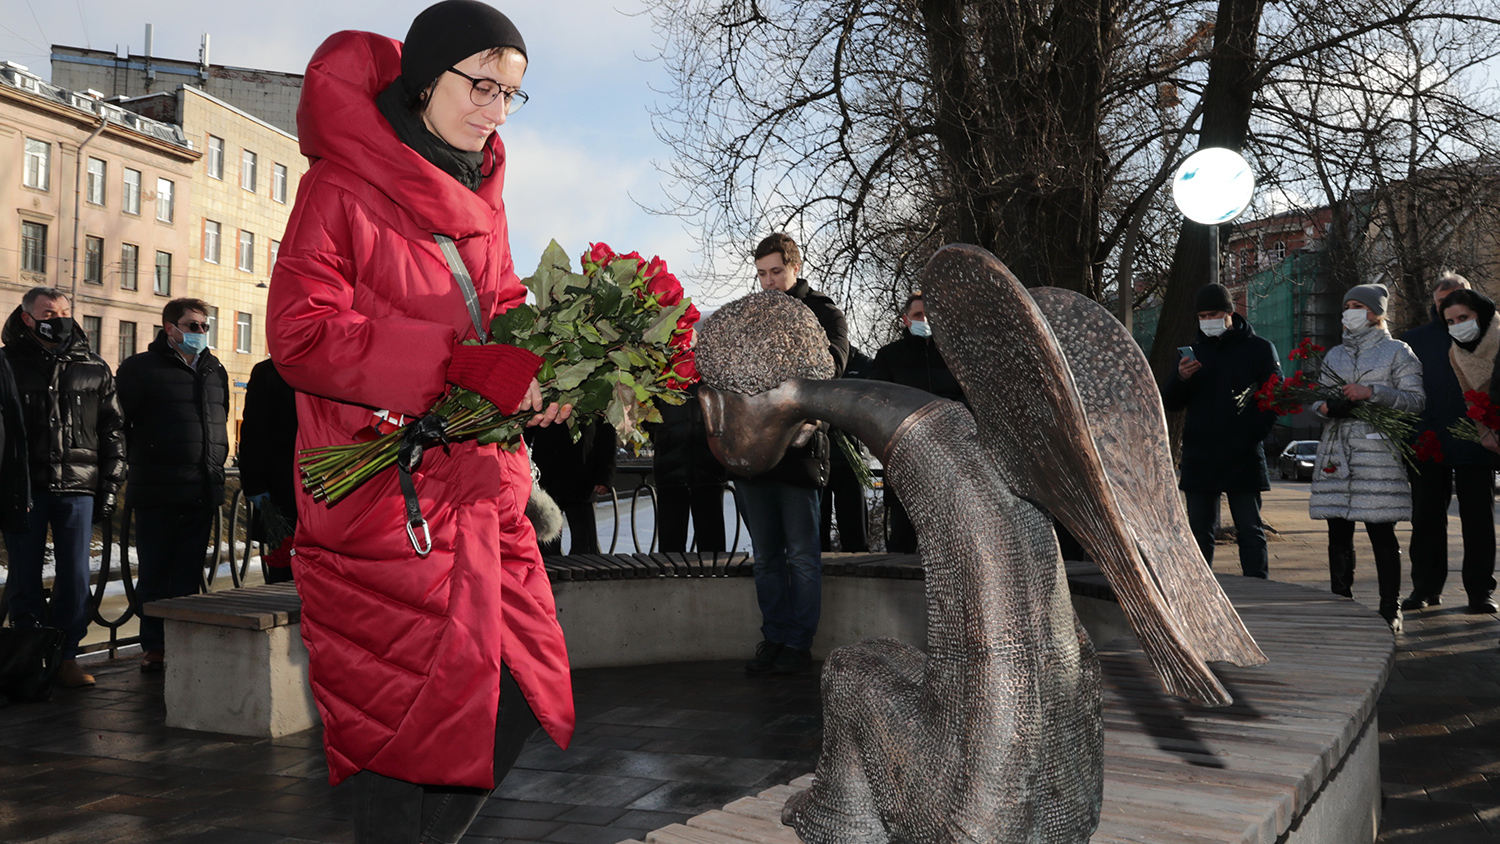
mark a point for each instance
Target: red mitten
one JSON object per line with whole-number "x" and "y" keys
{"x": 498, "y": 372}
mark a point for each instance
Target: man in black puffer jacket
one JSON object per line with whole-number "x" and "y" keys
{"x": 76, "y": 459}
{"x": 175, "y": 396}
{"x": 1221, "y": 441}
{"x": 782, "y": 508}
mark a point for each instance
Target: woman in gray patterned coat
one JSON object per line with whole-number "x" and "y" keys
{"x": 1360, "y": 476}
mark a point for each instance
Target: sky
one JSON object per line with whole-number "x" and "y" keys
{"x": 581, "y": 153}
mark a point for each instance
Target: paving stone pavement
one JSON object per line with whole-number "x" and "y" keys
{"x": 658, "y": 744}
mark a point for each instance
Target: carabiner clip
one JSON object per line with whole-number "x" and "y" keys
{"x": 426, "y": 535}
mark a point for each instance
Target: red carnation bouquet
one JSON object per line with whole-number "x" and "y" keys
{"x": 614, "y": 339}
{"x": 1483, "y": 421}
{"x": 1285, "y": 396}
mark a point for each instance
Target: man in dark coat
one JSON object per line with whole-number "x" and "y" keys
{"x": 688, "y": 478}
{"x": 15, "y": 479}
{"x": 782, "y": 508}
{"x": 1466, "y": 469}
{"x": 845, "y": 495}
{"x": 913, "y": 360}
{"x": 76, "y": 456}
{"x": 1222, "y": 449}
{"x": 573, "y": 473}
{"x": 175, "y": 396}
{"x": 268, "y": 465}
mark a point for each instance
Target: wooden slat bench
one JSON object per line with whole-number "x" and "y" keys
{"x": 236, "y": 663}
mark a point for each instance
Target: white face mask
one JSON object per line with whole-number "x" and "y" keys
{"x": 920, "y": 328}
{"x": 1464, "y": 332}
{"x": 1356, "y": 320}
{"x": 1212, "y": 327}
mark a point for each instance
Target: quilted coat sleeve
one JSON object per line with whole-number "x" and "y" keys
{"x": 323, "y": 345}
{"x": 111, "y": 434}
{"x": 1404, "y": 390}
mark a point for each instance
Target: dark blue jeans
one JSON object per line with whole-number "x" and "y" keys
{"x": 71, "y": 517}
{"x": 1244, "y": 508}
{"x": 171, "y": 544}
{"x": 784, "y": 535}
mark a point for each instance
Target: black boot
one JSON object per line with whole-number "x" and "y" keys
{"x": 1388, "y": 574}
{"x": 1341, "y": 570}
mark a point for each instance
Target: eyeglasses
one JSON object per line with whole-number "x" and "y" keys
{"x": 486, "y": 91}
{"x": 195, "y": 327}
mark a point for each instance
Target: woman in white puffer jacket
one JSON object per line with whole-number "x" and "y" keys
{"x": 1359, "y": 475}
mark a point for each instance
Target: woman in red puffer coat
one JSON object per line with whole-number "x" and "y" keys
{"x": 430, "y": 669}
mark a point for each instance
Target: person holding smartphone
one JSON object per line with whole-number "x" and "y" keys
{"x": 1222, "y": 453}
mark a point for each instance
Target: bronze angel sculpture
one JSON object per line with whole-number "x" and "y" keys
{"x": 994, "y": 733}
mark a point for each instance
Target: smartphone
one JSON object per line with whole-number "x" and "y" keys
{"x": 1187, "y": 352}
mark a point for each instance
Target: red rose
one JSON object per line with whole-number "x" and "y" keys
{"x": 1476, "y": 413}
{"x": 665, "y": 288}
{"x": 599, "y": 254}
{"x": 1330, "y": 469}
{"x": 634, "y": 256}
{"x": 689, "y": 318}
{"x": 684, "y": 370}
{"x": 657, "y": 265}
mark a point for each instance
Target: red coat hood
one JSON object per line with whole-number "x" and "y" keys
{"x": 337, "y": 120}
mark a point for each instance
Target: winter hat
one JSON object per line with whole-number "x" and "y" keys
{"x": 446, "y": 33}
{"x": 1213, "y": 297}
{"x": 1372, "y": 296}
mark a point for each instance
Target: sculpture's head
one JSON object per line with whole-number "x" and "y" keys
{"x": 752, "y": 354}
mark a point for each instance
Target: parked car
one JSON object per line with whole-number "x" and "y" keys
{"x": 1296, "y": 461}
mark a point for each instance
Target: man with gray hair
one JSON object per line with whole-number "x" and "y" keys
{"x": 76, "y": 448}
{"x": 1466, "y": 469}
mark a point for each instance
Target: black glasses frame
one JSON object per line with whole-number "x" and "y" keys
{"x": 481, "y": 97}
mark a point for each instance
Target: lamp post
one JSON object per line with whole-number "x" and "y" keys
{"x": 1213, "y": 186}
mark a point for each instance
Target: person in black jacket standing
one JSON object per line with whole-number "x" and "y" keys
{"x": 573, "y": 473}
{"x": 76, "y": 454}
{"x": 268, "y": 464}
{"x": 912, "y": 361}
{"x": 1467, "y": 469}
{"x": 175, "y": 396}
{"x": 15, "y": 478}
{"x": 688, "y": 478}
{"x": 782, "y": 507}
{"x": 1221, "y": 441}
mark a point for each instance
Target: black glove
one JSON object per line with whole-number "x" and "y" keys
{"x": 104, "y": 507}
{"x": 1339, "y": 408}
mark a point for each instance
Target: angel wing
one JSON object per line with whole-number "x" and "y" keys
{"x": 1034, "y": 424}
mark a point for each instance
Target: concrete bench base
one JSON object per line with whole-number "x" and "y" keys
{"x": 237, "y": 681}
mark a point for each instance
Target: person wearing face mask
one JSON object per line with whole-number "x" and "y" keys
{"x": 1466, "y": 470}
{"x": 1359, "y": 477}
{"x": 175, "y": 399}
{"x": 76, "y": 448}
{"x": 435, "y": 650}
{"x": 1222, "y": 452}
{"x": 913, "y": 360}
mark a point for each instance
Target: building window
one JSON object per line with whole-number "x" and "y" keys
{"x": 131, "y": 199}
{"x": 164, "y": 200}
{"x": 211, "y": 231}
{"x": 247, "y": 171}
{"x": 93, "y": 259}
{"x": 130, "y": 266}
{"x": 271, "y": 265}
{"x": 38, "y": 173}
{"x": 242, "y": 332}
{"x": 33, "y": 247}
{"x": 213, "y": 327}
{"x": 96, "y": 181}
{"x": 1247, "y": 261}
{"x": 1277, "y": 252}
{"x": 94, "y": 327}
{"x": 162, "y": 286}
{"x": 127, "y": 340}
{"x": 247, "y": 251}
{"x": 278, "y": 183}
{"x": 215, "y": 157}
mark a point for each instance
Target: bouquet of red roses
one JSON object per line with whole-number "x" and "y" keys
{"x": 1285, "y": 396}
{"x": 1483, "y": 421}
{"x": 614, "y": 339}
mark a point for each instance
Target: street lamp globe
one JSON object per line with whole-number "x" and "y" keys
{"x": 1213, "y": 186}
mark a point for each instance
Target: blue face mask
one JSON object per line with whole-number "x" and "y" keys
{"x": 193, "y": 343}
{"x": 920, "y": 328}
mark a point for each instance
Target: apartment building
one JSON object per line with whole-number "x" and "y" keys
{"x": 97, "y": 202}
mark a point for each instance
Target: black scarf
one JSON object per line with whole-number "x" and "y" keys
{"x": 466, "y": 167}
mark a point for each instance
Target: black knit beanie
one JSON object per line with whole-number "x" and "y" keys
{"x": 446, "y": 33}
{"x": 1213, "y": 297}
